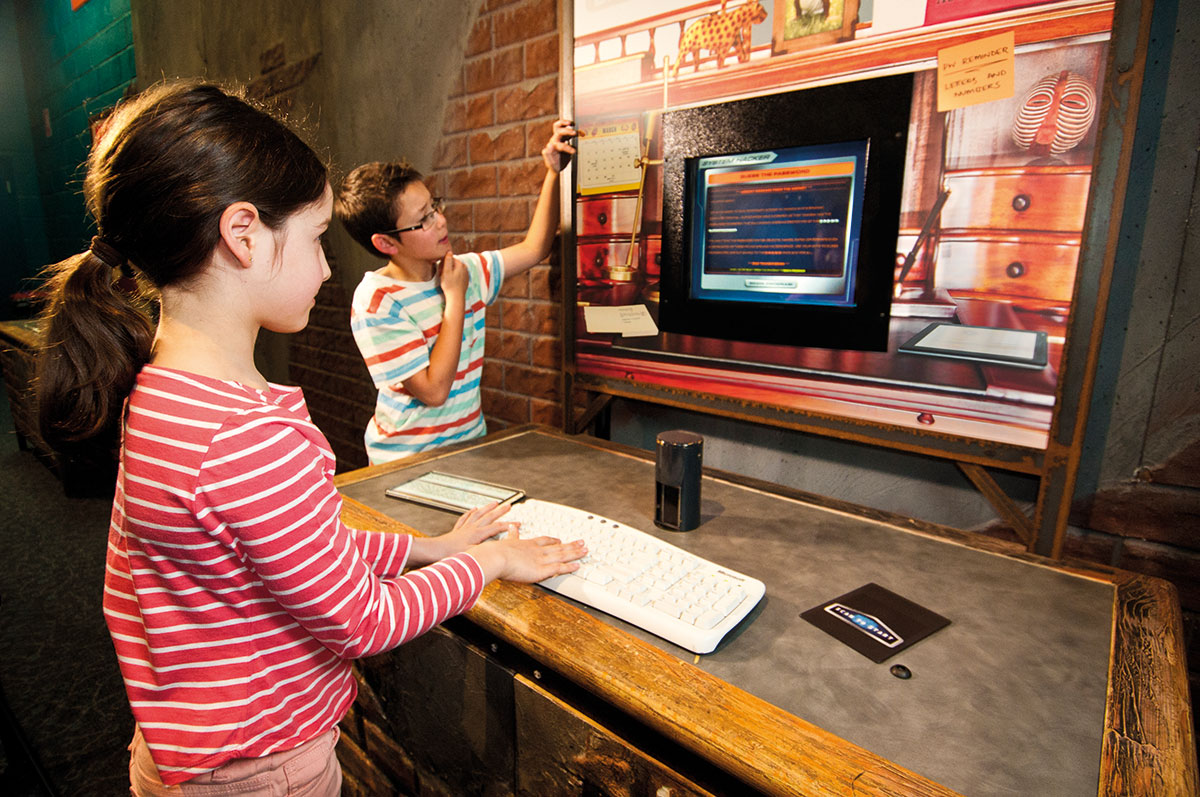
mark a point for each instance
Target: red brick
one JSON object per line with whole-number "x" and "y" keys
{"x": 521, "y": 102}
{"x": 485, "y": 242}
{"x": 477, "y": 75}
{"x": 451, "y": 152}
{"x": 516, "y": 315}
{"x": 546, "y": 412}
{"x": 482, "y": 148}
{"x": 542, "y": 383}
{"x": 459, "y": 215}
{"x": 547, "y": 317}
{"x": 505, "y": 145}
{"x": 529, "y": 19}
{"x": 514, "y": 216}
{"x": 492, "y": 376}
{"x": 456, "y": 116}
{"x": 500, "y": 68}
{"x": 522, "y": 178}
{"x": 542, "y": 57}
{"x": 505, "y": 406}
{"x": 546, "y": 352}
{"x": 510, "y": 144}
{"x": 487, "y": 215}
{"x": 438, "y": 182}
{"x": 473, "y": 183}
{"x": 516, "y": 287}
{"x": 545, "y": 282}
{"x": 480, "y": 40}
{"x": 478, "y": 112}
{"x": 509, "y": 347}
{"x": 537, "y": 133}
{"x": 508, "y": 66}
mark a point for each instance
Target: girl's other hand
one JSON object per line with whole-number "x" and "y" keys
{"x": 558, "y": 150}
{"x": 475, "y": 526}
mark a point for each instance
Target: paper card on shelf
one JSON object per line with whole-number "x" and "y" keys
{"x": 894, "y": 15}
{"x": 976, "y": 72}
{"x": 630, "y": 320}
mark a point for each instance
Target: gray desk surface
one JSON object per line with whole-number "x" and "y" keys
{"x": 1008, "y": 699}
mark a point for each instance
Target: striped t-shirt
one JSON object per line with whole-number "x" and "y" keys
{"x": 234, "y": 595}
{"x": 395, "y": 325}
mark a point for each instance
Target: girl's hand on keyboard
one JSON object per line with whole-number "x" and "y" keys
{"x": 528, "y": 560}
{"x": 472, "y": 528}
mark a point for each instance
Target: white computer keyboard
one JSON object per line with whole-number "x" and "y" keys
{"x": 641, "y": 579}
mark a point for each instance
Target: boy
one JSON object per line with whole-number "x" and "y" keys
{"x": 419, "y": 320}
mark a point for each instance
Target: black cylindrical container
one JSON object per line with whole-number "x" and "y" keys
{"x": 677, "y": 466}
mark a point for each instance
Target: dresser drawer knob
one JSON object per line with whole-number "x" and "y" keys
{"x": 1021, "y": 203}
{"x": 602, "y": 217}
{"x": 1015, "y": 269}
{"x": 925, "y": 418}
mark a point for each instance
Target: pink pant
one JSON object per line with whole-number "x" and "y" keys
{"x": 310, "y": 770}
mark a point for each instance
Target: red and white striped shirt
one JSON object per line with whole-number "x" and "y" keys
{"x": 234, "y": 595}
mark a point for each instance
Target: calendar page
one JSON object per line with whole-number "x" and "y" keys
{"x": 608, "y": 157}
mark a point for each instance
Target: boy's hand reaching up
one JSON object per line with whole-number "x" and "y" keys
{"x": 558, "y": 150}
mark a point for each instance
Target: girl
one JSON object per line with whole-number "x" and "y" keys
{"x": 234, "y": 596}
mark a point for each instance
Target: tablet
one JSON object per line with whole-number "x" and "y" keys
{"x": 984, "y": 345}
{"x": 456, "y": 493}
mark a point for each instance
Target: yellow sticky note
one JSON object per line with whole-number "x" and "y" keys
{"x": 975, "y": 72}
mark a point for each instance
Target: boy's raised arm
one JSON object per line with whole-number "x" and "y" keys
{"x": 536, "y": 245}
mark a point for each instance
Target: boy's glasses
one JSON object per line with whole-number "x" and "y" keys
{"x": 427, "y": 221}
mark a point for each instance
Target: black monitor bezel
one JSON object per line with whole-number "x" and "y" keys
{"x": 875, "y": 110}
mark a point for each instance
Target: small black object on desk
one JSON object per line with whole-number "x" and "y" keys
{"x": 678, "y": 461}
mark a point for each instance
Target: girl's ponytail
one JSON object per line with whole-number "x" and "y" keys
{"x": 97, "y": 333}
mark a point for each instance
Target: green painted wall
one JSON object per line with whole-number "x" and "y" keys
{"x": 73, "y": 64}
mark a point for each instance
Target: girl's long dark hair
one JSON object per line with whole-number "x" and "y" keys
{"x": 169, "y": 163}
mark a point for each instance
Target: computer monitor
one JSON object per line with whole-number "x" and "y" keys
{"x": 780, "y": 215}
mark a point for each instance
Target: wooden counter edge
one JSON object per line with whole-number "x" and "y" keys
{"x": 725, "y": 725}
{"x": 1149, "y": 745}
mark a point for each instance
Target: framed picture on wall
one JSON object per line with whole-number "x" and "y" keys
{"x": 800, "y": 24}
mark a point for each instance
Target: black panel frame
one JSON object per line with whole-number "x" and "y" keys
{"x": 876, "y": 110}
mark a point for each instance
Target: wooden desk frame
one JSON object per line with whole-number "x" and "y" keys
{"x": 1057, "y": 465}
{"x": 1148, "y": 744}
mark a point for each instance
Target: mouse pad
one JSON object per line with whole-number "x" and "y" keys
{"x": 875, "y": 621}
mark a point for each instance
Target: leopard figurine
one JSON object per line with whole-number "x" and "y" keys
{"x": 720, "y": 33}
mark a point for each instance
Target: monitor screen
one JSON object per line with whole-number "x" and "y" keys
{"x": 779, "y": 225}
{"x": 781, "y": 213}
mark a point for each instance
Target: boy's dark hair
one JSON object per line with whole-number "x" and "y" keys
{"x": 167, "y": 165}
{"x": 366, "y": 199}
